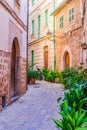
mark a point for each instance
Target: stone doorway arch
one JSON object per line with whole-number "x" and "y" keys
{"x": 66, "y": 59}
{"x": 14, "y": 89}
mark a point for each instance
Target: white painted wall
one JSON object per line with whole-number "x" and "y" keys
{"x": 5, "y": 17}
{"x": 23, "y": 15}
{"x": 23, "y": 9}
{"x": 39, "y": 9}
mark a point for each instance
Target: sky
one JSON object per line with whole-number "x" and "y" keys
{"x": 59, "y": 1}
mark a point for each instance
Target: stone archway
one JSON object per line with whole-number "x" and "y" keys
{"x": 14, "y": 89}
{"x": 66, "y": 59}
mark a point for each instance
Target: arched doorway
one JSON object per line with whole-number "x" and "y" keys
{"x": 66, "y": 59}
{"x": 46, "y": 57}
{"x": 14, "y": 89}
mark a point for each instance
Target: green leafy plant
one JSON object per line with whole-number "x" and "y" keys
{"x": 75, "y": 97}
{"x": 74, "y": 120}
{"x": 71, "y": 76}
{"x": 45, "y": 73}
{"x": 50, "y": 75}
{"x": 73, "y": 114}
{"x": 33, "y": 74}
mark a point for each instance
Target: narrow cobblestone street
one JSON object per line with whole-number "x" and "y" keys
{"x": 34, "y": 110}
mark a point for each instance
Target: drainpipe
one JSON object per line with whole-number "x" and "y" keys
{"x": 54, "y": 39}
{"x": 83, "y": 24}
{"x": 27, "y": 45}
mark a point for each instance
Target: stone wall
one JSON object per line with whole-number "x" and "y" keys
{"x": 5, "y": 77}
{"x": 69, "y": 38}
{"x": 5, "y": 73}
{"x": 72, "y": 45}
{"x": 23, "y": 74}
{"x": 14, "y": 29}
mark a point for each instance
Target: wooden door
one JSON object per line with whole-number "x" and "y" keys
{"x": 67, "y": 60}
{"x": 46, "y": 57}
{"x": 13, "y": 59}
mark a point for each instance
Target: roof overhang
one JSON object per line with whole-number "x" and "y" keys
{"x": 61, "y": 5}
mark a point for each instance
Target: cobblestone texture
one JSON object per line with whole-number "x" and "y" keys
{"x": 34, "y": 110}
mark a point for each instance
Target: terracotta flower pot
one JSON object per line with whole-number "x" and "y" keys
{"x": 31, "y": 80}
{"x": 84, "y": 46}
{"x": 56, "y": 80}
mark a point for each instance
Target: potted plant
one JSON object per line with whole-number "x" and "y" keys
{"x": 32, "y": 76}
{"x": 84, "y": 45}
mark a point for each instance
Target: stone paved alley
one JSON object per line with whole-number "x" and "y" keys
{"x": 34, "y": 110}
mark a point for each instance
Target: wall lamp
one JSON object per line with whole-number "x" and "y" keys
{"x": 48, "y": 34}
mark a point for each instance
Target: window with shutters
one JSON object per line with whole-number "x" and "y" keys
{"x": 46, "y": 17}
{"x": 33, "y": 2}
{"x": 39, "y": 25}
{"x": 61, "y": 21}
{"x": 32, "y": 26}
{"x": 71, "y": 15}
{"x": 32, "y": 58}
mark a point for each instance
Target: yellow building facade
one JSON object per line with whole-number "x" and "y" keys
{"x": 40, "y": 48}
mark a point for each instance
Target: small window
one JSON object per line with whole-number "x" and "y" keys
{"x": 61, "y": 21}
{"x": 71, "y": 14}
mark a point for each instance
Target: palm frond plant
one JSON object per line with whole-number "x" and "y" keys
{"x": 73, "y": 114}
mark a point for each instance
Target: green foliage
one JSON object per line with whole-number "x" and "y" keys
{"x": 74, "y": 120}
{"x": 32, "y": 73}
{"x": 45, "y": 73}
{"x": 50, "y": 75}
{"x": 73, "y": 113}
{"x": 71, "y": 76}
{"x": 75, "y": 97}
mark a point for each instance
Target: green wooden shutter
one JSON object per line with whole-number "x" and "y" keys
{"x": 32, "y": 26}
{"x": 32, "y": 57}
{"x": 61, "y": 21}
{"x": 39, "y": 24}
{"x": 32, "y": 2}
{"x": 46, "y": 17}
{"x": 71, "y": 14}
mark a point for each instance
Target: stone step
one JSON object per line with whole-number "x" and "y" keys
{"x": 13, "y": 99}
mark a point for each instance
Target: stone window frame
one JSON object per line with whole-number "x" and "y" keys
{"x": 61, "y": 21}
{"x": 71, "y": 14}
